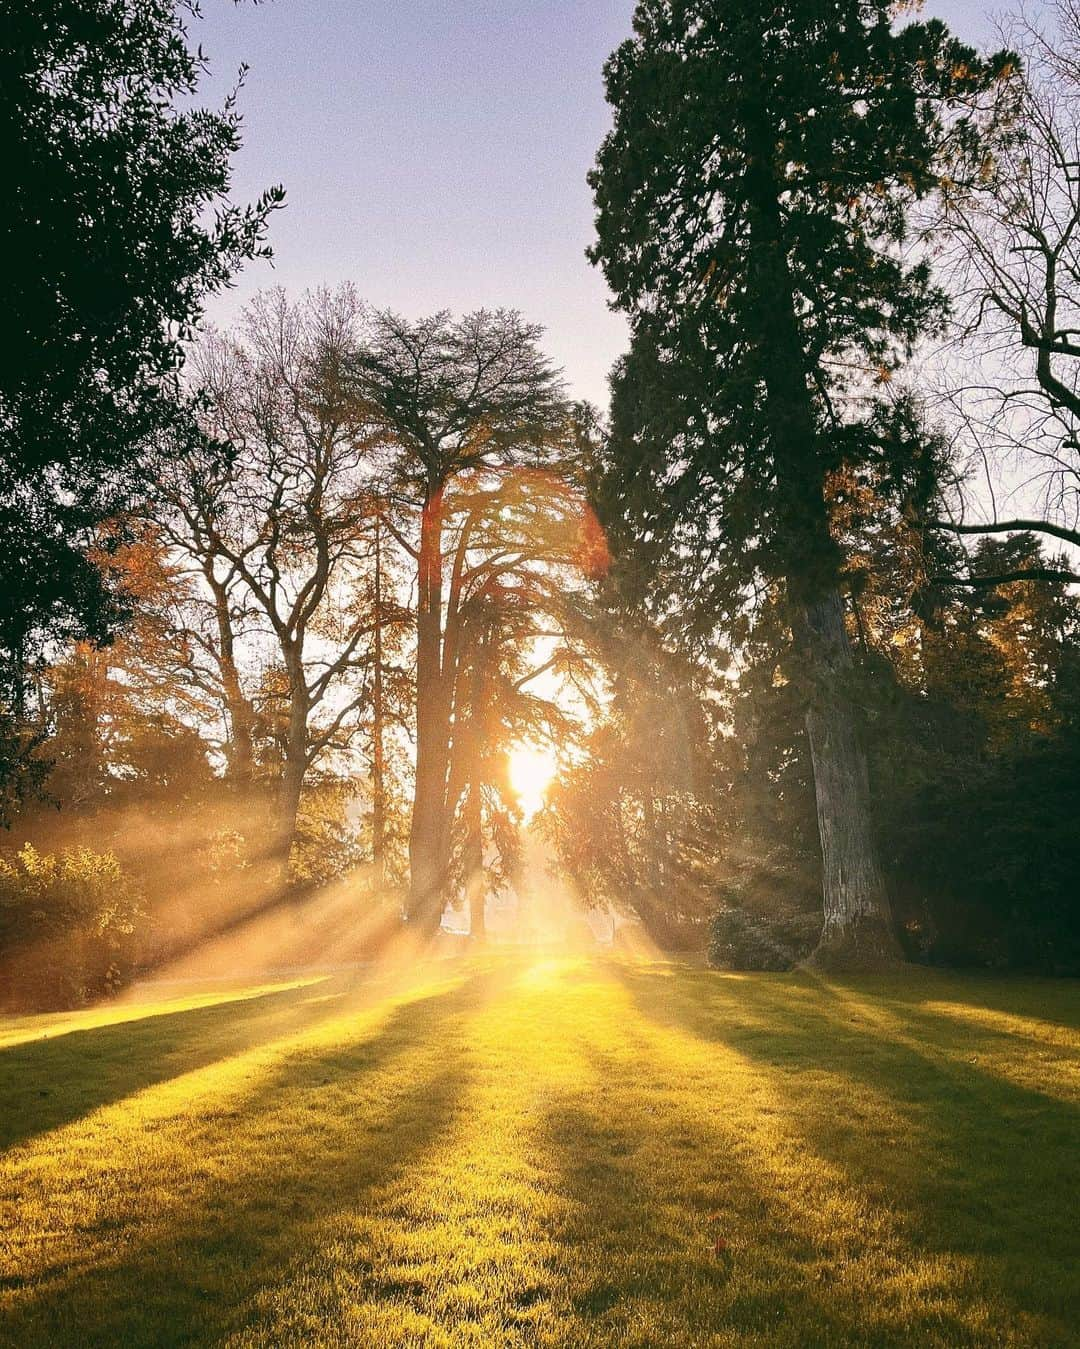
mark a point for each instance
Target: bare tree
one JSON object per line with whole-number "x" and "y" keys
{"x": 280, "y": 527}
{"x": 1011, "y": 248}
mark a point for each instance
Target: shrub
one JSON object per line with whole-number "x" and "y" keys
{"x": 68, "y": 924}
{"x": 740, "y": 940}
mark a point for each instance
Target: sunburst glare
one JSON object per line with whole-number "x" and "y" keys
{"x": 532, "y": 768}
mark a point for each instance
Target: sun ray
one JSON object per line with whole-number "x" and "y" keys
{"x": 532, "y": 768}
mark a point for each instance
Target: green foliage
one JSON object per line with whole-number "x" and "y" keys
{"x": 776, "y": 940}
{"x": 327, "y": 846}
{"x": 68, "y": 921}
{"x": 116, "y": 227}
{"x": 751, "y": 197}
{"x": 985, "y": 855}
{"x": 22, "y": 769}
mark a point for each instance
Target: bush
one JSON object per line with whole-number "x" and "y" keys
{"x": 327, "y": 847}
{"x": 739, "y": 940}
{"x": 68, "y": 924}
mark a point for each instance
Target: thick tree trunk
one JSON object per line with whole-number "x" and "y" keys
{"x": 857, "y": 934}
{"x": 427, "y": 860}
{"x": 292, "y": 782}
{"x": 238, "y": 710}
{"x": 241, "y": 734}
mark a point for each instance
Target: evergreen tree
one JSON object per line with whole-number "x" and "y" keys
{"x": 452, "y": 404}
{"x": 752, "y": 199}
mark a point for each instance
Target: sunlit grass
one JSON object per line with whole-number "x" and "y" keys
{"x": 557, "y": 1151}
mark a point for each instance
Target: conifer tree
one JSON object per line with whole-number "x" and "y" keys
{"x": 752, "y": 201}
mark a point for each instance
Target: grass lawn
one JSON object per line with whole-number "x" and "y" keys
{"x": 564, "y": 1151}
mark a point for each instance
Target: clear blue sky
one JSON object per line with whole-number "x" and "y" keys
{"x": 434, "y": 152}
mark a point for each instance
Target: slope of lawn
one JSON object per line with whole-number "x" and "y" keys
{"x": 548, "y": 1150}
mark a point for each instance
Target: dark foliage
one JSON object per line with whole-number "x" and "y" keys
{"x": 750, "y": 197}
{"x": 116, "y": 226}
{"x": 739, "y": 940}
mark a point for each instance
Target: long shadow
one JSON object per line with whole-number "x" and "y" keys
{"x": 640, "y": 1181}
{"x": 1053, "y": 1001}
{"x": 49, "y": 1082}
{"x": 957, "y": 1033}
{"x": 270, "y": 1176}
{"x": 979, "y": 1166}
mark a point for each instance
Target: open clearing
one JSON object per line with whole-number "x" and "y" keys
{"x": 547, "y": 1150}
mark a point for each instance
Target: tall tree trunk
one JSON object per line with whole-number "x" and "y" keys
{"x": 475, "y": 888}
{"x": 857, "y": 932}
{"x": 378, "y": 765}
{"x": 475, "y": 880}
{"x": 238, "y": 710}
{"x": 292, "y": 782}
{"x": 294, "y": 768}
{"x": 427, "y": 861}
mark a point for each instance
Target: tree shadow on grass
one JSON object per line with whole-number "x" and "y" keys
{"x": 641, "y": 1225}
{"x": 979, "y": 1166}
{"x": 48, "y": 1082}
{"x": 1054, "y": 1002}
{"x": 327, "y": 1127}
{"x": 625, "y": 1275}
{"x": 653, "y": 1174}
{"x": 57, "y": 1078}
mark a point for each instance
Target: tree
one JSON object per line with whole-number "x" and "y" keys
{"x": 751, "y": 199}
{"x": 451, "y": 398}
{"x": 521, "y": 625}
{"x": 278, "y": 516}
{"x": 115, "y": 230}
{"x": 1010, "y": 243}
{"x": 383, "y": 594}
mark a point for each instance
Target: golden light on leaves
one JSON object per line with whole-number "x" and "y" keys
{"x": 592, "y": 555}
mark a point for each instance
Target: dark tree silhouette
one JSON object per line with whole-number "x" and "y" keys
{"x": 751, "y": 198}
{"x": 115, "y": 229}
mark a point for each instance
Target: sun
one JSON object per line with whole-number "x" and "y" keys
{"x": 531, "y": 770}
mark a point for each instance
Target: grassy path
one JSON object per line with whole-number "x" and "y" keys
{"x": 548, "y": 1151}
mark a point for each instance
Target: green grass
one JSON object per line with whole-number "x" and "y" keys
{"x": 519, "y": 1151}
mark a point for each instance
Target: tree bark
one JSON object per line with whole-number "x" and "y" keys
{"x": 427, "y": 860}
{"x": 237, "y": 707}
{"x": 295, "y": 766}
{"x": 857, "y": 932}
{"x": 292, "y": 781}
{"x": 378, "y": 766}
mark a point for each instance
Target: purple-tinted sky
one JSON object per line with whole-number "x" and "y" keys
{"x": 434, "y": 152}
